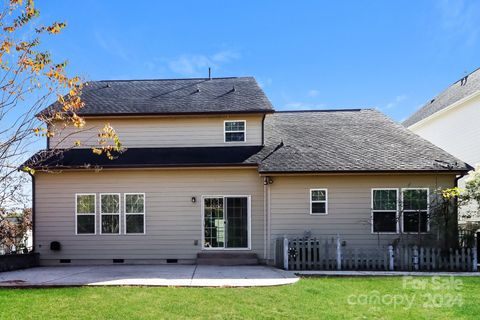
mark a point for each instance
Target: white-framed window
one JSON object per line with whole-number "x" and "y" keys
{"x": 415, "y": 208}
{"x": 385, "y": 210}
{"x": 110, "y": 213}
{"x": 85, "y": 213}
{"x": 134, "y": 209}
{"x": 235, "y": 130}
{"x": 318, "y": 201}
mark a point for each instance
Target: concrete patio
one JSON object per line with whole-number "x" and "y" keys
{"x": 151, "y": 275}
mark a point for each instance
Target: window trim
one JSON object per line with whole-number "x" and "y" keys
{"x": 235, "y": 131}
{"x": 119, "y": 213}
{"x": 143, "y": 213}
{"x": 319, "y": 201}
{"x": 428, "y": 210}
{"x": 372, "y": 231}
{"x": 86, "y": 214}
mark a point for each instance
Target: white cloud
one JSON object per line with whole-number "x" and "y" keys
{"x": 395, "y": 102}
{"x": 297, "y": 105}
{"x": 189, "y": 64}
{"x": 197, "y": 64}
{"x": 313, "y": 93}
{"x": 264, "y": 82}
{"x": 111, "y": 45}
{"x": 225, "y": 56}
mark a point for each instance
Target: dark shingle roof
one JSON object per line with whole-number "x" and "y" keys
{"x": 297, "y": 142}
{"x": 174, "y": 96}
{"x": 149, "y": 158}
{"x": 463, "y": 88}
{"x": 349, "y": 140}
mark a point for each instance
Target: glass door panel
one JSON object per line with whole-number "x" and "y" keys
{"x": 237, "y": 222}
{"x": 214, "y": 223}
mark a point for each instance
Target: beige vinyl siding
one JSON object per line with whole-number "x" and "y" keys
{"x": 349, "y": 205}
{"x": 161, "y": 132}
{"x": 173, "y": 222}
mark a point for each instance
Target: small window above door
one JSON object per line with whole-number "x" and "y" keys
{"x": 235, "y": 130}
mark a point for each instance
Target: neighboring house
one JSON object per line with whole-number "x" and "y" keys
{"x": 25, "y": 241}
{"x": 451, "y": 121}
{"x": 211, "y": 167}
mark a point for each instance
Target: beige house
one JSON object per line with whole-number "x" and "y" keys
{"x": 212, "y": 171}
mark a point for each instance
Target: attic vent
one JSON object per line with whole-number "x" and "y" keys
{"x": 464, "y": 81}
{"x": 432, "y": 101}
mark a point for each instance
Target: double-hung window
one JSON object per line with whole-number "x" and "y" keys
{"x": 110, "y": 213}
{"x": 134, "y": 213}
{"x": 85, "y": 213}
{"x": 235, "y": 131}
{"x": 318, "y": 202}
{"x": 415, "y": 210}
{"x": 385, "y": 210}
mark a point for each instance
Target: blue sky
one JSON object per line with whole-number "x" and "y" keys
{"x": 392, "y": 55}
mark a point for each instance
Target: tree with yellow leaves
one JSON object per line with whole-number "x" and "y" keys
{"x": 29, "y": 81}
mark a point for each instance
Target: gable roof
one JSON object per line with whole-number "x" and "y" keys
{"x": 335, "y": 141}
{"x": 461, "y": 89}
{"x": 357, "y": 140}
{"x": 173, "y": 96}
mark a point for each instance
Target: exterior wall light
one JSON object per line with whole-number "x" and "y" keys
{"x": 194, "y": 199}
{"x": 267, "y": 180}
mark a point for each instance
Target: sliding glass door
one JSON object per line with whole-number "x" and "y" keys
{"x": 226, "y": 222}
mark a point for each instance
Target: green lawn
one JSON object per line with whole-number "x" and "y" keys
{"x": 310, "y": 298}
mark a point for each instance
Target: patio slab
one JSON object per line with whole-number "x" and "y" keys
{"x": 151, "y": 275}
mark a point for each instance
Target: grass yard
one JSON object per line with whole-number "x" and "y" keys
{"x": 310, "y": 298}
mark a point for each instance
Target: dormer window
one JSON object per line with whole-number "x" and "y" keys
{"x": 235, "y": 131}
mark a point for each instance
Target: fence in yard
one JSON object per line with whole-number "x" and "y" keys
{"x": 330, "y": 254}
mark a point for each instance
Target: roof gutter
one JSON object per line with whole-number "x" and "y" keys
{"x": 172, "y": 166}
{"x": 353, "y": 172}
{"x": 167, "y": 114}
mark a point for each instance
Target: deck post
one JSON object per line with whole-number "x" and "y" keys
{"x": 475, "y": 258}
{"x": 339, "y": 253}
{"x": 285, "y": 253}
{"x": 415, "y": 258}
{"x": 391, "y": 266}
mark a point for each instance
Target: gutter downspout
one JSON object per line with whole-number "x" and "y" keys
{"x": 267, "y": 241}
{"x": 33, "y": 211}
{"x": 269, "y": 226}
{"x": 265, "y": 187}
{"x": 455, "y": 235}
{"x": 263, "y": 130}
